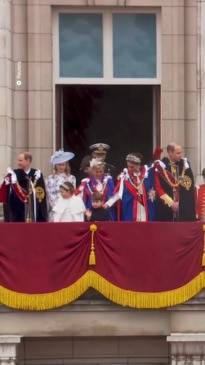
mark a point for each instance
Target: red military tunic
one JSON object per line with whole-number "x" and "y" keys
{"x": 200, "y": 202}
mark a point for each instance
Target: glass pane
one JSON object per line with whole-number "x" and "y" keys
{"x": 80, "y": 42}
{"x": 134, "y": 45}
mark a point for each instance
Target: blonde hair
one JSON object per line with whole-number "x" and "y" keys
{"x": 67, "y": 169}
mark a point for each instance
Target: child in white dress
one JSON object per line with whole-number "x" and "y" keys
{"x": 69, "y": 207}
{"x": 62, "y": 172}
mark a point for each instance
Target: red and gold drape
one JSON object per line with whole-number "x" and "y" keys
{"x": 140, "y": 265}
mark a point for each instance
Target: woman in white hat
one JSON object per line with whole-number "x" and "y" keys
{"x": 61, "y": 174}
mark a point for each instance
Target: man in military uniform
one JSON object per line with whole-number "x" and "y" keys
{"x": 174, "y": 183}
{"x": 99, "y": 150}
{"x": 23, "y": 193}
{"x": 200, "y": 199}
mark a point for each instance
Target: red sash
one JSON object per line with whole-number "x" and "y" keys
{"x": 88, "y": 188}
{"x": 19, "y": 191}
{"x": 133, "y": 191}
{"x": 161, "y": 171}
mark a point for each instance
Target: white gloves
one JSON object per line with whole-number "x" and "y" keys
{"x": 37, "y": 174}
{"x": 7, "y": 180}
{"x": 9, "y": 170}
{"x": 13, "y": 176}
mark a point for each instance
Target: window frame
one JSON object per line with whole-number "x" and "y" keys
{"x": 107, "y": 78}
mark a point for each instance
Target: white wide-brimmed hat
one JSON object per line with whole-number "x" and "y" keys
{"x": 61, "y": 157}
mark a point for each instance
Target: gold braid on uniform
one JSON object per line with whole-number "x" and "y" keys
{"x": 30, "y": 191}
{"x": 174, "y": 185}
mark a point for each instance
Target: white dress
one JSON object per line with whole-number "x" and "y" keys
{"x": 53, "y": 183}
{"x": 69, "y": 210}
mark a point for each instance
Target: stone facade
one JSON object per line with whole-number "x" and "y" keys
{"x": 98, "y": 332}
{"x": 27, "y": 82}
{"x": 93, "y": 330}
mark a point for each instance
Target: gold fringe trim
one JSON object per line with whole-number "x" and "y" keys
{"x": 146, "y": 300}
{"x": 117, "y": 295}
{"x": 203, "y": 256}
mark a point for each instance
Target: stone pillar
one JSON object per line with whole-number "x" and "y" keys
{"x": 201, "y": 83}
{"x": 8, "y": 349}
{"x": 187, "y": 349}
{"x": 5, "y": 85}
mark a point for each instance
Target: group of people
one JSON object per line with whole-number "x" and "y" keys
{"x": 164, "y": 190}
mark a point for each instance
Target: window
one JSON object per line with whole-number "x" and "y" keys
{"x": 107, "y": 47}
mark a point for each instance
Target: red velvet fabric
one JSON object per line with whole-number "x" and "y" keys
{"x": 37, "y": 258}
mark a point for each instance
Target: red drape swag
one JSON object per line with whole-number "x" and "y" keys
{"x": 147, "y": 257}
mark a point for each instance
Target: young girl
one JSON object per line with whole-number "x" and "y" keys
{"x": 69, "y": 208}
{"x": 61, "y": 173}
{"x": 97, "y": 182}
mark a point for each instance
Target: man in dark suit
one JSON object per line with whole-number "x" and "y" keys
{"x": 23, "y": 193}
{"x": 174, "y": 184}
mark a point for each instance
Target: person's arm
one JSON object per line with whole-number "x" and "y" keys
{"x": 109, "y": 203}
{"x": 58, "y": 211}
{"x": 73, "y": 181}
{"x": 80, "y": 189}
{"x": 88, "y": 214}
{"x": 57, "y": 217}
{"x": 160, "y": 191}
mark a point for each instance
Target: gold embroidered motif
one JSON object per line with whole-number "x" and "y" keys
{"x": 40, "y": 193}
{"x": 178, "y": 181}
{"x": 186, "y": 182}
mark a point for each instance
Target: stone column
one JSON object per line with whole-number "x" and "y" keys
{"x": 187, "y": 349}
{"x": 201, "y": 83}
{"x": 5, "y": 85}
{"x": 8, "y": 349}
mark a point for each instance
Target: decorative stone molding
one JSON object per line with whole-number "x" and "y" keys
{"x": 187, "y": 349}
{"x": 8, "y": 349}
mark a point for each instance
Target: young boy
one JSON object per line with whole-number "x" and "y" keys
{"x": 97, "y": 213}
{"x": 69, "y": 208}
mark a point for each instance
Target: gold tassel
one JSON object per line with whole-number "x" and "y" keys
{"x": 203, "y": 256}
{"x": 92, "y": 258}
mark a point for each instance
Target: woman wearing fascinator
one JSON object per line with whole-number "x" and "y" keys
{"x": 99, "y": 182}
{"x": 61, "y": 173}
